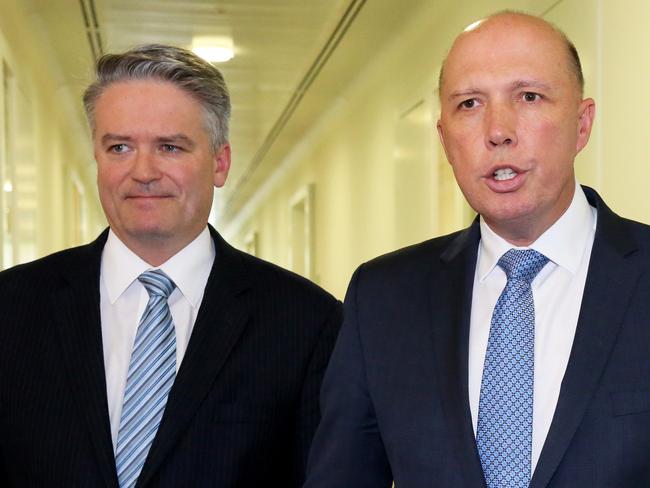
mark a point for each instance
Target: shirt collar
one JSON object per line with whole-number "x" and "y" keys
{"x": 189, "y": 268}
{"x": 563, "y": 243}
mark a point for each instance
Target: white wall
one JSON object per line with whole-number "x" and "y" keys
{"x": 42, "y": 149}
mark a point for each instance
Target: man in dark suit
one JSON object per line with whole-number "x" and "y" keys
{"x": 513, "y": 353}
{"x": 158, "y": 355}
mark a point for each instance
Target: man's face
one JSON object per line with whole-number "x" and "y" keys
{"x": 512, "y": 122}
{"x": 156, "y": 164}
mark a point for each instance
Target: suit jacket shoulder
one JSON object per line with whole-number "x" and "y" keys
{"x": 414, "y": 266}
{"x": 273, "y": 289}
{"x": 38, "y": 274}
{"x": 277, "y": 283}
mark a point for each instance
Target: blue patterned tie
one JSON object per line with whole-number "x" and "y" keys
{"x": 151, "y": 374}
{"x": 505, "y": 414}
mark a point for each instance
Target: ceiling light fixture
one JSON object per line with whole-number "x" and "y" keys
{"x": 213, "y": 49}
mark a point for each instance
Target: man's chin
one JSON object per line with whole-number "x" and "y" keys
{"x": 507, "y": 215}
{"x": 151, "y": 234}
{"x": 145, "y": 234}
{"x": 162, "y": 235}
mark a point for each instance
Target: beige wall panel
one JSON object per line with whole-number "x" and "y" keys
{"x": 624, "y": 106}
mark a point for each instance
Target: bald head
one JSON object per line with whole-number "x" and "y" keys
{"x": 514, "y": 20}
{"x": 512, "y": 120}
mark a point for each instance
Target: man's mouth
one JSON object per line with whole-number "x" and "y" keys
{"x": 147, "y": 195}
{"x": 504, "y": 174}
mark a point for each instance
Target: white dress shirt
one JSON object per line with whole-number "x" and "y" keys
{"x": 123, "y": 300}
{"x": 557, "y": 293}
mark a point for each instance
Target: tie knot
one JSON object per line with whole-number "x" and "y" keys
{"x": 157, "y": 283}
{"x": 522, "y": 264}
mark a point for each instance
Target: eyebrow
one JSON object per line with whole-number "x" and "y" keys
{"x": 108, "y": 137}
{"x": 176, "y": 138}
{"x": 465, "y": 93}
{"x": 530, "y": 83}
{"x": 517, "y": 84}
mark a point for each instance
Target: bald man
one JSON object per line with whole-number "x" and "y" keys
{"x": 514, "y": 353}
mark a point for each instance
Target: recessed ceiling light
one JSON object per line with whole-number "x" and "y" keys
{"x": 213, "y": 49}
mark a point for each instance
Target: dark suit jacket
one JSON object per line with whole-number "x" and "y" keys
{"x": 244, "y": 405}
{"x": 395, "y": 397}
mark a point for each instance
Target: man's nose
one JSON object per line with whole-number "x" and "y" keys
{"x": 145, "y": 166}
{"x": 501, "y": 126}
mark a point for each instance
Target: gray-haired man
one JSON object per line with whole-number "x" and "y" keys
{"x": 158, "y": 354}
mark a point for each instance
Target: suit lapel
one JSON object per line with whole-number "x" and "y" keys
{"x": 223, "y": 315}
{"x": 610, "y": 282}
{"x": 452, "y": 303}
{"x": 75, "y": 309}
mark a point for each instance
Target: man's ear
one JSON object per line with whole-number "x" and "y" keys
{"x": 221, "y": 165}
{"x": 586, "y": 114}
{"x": 441, "y": 135}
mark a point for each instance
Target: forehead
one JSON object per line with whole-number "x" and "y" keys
{"x": 146, "y": 95}
{"x": 507, "y": 49}
{"x": 147, "y": 106}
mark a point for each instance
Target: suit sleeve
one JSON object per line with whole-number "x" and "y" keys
{"x": 348, "y": 450}
{"x": 308, "y": 410}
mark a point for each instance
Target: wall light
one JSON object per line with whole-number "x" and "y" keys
{"x": 213, "y": 49}
{"x": 8, "y": 187}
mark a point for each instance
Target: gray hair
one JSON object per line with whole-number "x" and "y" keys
{"x": 173, "y": 64}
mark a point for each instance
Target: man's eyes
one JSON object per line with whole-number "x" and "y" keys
{"x": 165, "y": 148}
{"x": 118, "y": 148}
{"x": 531, "y": 96}
{"x": 528, "y": 97}
{"x": 170, "y": 148}
{"x": 467, "y": 104}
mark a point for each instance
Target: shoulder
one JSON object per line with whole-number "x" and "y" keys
{"x": 274, "y": 287}
{"x": 631, "y": 240}
{"x": 639, "y": 230}
{"x": 285, "y": 308}
{"x": 279, "y": 285}
{"x": 52, "y": 269}
{"x": 625, "y": 236}
{"x": 414, "y": 260}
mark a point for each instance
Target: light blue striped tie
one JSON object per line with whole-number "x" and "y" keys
{"x": 151, "y": 374}
{"x": 505, "y": 414}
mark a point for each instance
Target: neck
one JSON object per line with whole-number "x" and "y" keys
{"x": 156, "y": 250}
{"x": 523, "y": 231}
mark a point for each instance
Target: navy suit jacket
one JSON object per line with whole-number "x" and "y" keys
{"x": 395, "y": 396}
{"x": 243, "y": 407}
